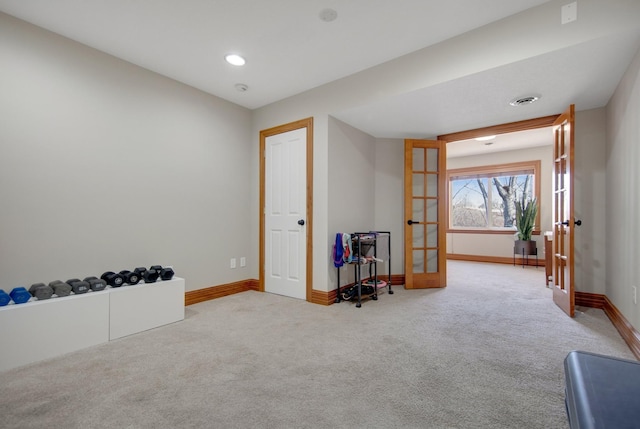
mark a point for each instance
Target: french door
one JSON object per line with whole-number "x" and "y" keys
{"x": 425, "y": 214}
{"x": 564, "y": 222}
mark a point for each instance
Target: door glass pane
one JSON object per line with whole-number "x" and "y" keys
{"x": 418, "y": 159}
{"x": 418, "y": 235}
{"x": 418, "y": 261}
{"x": 432, "y": 235}
{"x": 418, "y": 185}
{"x": 432, "y": 210}
{"x": 432, "y": 160}
{"x": 432, "y": 185}
{"x": 418, "y": 210}
{"x": 432, "y": 261}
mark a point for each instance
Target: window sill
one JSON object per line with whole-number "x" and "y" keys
{"x": 485, "y": 231}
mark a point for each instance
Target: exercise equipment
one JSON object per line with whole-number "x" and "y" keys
{"x": 166, "y": 273}
{"x": 140, "y": 272}
{"x": 112, "y": 279}
{"x": 20, "y": 295}
{"x": 4, "y": 298}
{"x": 41, "y": 291}
{"x": 601, "y": 391}
{"x": 96, "y": 284}
{"x": 60, "y": 288}
{"x": 151, "y": 275}
{"x": 130, "y": 277}
{"x": 80, "y": 287}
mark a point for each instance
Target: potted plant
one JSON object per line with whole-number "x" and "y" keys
{"x": 526, "y": 213}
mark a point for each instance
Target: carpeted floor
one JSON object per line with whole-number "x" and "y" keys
{"x": 485, "y": 352}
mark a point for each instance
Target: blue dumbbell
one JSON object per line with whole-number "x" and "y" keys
{"x": 20, "y": 295}
{"x": 4, "y": 298}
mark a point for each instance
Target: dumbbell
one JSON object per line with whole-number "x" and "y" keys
{"x": 19, "y": 295}
{"x": 41, "y": 291}
{"x": 140, "y": 272}
{"x": 4, "y": 298}
{"x": 96, "y": 284}
{"x": 166, "y": 273}
{"x": 130, "y": 277}
{"x": 112, "y": 279}
{"x": 60, "y": 288}
{"x": 78, "y": 286}
{"x": 152, "y": 274}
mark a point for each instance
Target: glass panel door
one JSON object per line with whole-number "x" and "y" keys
{"x": 425, "y": 252}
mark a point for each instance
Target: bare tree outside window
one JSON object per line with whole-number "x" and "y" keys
{"x": 488, "y": 202}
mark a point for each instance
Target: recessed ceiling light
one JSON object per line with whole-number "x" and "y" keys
{"x": 328, "y": 15}
{"x": 485, "y": 138}
{"x": 528, "y": 99}
{"x": 235, "y": 59}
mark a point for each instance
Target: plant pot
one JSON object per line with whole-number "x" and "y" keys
{"x": 522, "y": 247}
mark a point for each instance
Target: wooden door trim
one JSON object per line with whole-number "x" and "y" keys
{"x": 511, "y": 127}
{"x": 303, "y": 123}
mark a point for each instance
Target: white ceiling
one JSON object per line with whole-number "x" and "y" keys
{"x": 289, "y": 50}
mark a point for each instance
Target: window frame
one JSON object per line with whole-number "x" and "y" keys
{"x": 497, "y": 169}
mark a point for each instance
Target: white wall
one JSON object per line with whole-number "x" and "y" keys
{"x": 590, "y": 188}
{"x": 351, "y": 188}
{"x": 622, "y": 194}
{"x": 501, "y": 245}
{"x": 106, "y": 166}
{"x": 389, "y": 197}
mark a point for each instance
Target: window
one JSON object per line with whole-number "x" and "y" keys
{"x": 482, "y": 199}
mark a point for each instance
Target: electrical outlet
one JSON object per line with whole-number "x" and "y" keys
{"x": 233, "y": 263}
{"x": 243, "y": 261}
{"x": 635, "y": 294}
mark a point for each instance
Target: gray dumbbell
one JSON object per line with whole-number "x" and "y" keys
{"x": 96, "y": 284}
{"x": 60, "y": 288}
{"x": 79, "y": 287}
{"x": 41, "y": 291}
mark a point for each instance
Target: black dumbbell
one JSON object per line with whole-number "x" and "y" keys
{"x": 79, "y": 287}
{"x": 140, "y": 272}
{"x": 4, "y": 298}
{"x": 20, "y": 295}
{"x": 96, "y": 284}
{"x": 151, "y": 275}
{"x": 130, "y": 277}
{"x": 41, "y": 291}
{"x": 166, "y": 273}
{"x": 60, "y": 288}
{"x": 112, "y": 279}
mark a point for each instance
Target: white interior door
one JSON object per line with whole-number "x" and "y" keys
{"x": 285, "y": 213}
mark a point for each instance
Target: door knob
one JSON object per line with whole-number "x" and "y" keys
{"x": 301, "y": 222}
{"x": 410, "y": 222}
{"x": 576, "y": 222}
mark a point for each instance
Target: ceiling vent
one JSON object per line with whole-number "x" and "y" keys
{"x": 529, "y": 99}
